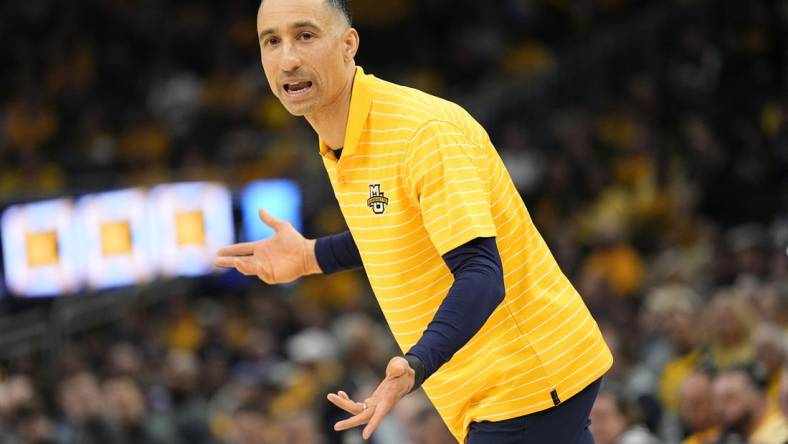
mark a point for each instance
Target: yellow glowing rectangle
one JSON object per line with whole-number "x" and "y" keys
{"x": 115, "y": 238}
{"x": 42, "y": 248}
{"x": 189, "y": 228}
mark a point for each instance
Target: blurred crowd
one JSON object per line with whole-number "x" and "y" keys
{"x": 649, "y": 140}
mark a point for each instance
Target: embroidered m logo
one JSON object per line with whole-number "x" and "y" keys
{"x": 377, "y": 201}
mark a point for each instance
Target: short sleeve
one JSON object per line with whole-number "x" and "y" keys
{"x": 445, "y": 174}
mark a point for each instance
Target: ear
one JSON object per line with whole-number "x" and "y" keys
{"x": 351, "y": 44}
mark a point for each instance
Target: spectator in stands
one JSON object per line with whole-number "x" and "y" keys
{"x": 252, "y": 426}
{"x": 696, "y": 408}
{"x": 125, "y": 405}
{"x": 675, "y": 309}
{"x": 430, "y": 429}
{"x": 84, "y": 419}
{"x": 614, "y": 420}
{"x": 729, "y": 324}
{"x": 741, "y": 406}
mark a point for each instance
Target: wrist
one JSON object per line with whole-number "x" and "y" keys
{"x": 418, "y": 367}
{"x": 311, "y": 265}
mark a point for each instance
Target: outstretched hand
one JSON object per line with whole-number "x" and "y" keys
{"x": 283, "y": 257}
{"x": 398, "y": 382}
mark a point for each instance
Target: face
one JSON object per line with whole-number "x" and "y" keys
{"x": 607, "y": 421}
{"x": 251, "y": 428}
{"x": 734, "y": 401}
{"x": 307, "y": 51}
{"x": 695, "y": 402}
{"x": 124, "y": 402}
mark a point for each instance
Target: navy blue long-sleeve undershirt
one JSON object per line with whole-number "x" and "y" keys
{"x": 477, "y": 290}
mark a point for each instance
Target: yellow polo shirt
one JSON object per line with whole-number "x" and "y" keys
{"x": 418, "y": 176}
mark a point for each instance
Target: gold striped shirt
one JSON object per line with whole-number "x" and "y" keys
{"x": 418, "y": 176}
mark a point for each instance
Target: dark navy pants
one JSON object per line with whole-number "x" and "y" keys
{"x": 566, "y": 423}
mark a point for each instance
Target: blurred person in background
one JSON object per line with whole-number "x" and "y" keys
{"x": 743, "y": 412}
{"x": 84, "y": 420}
{"x": 696, "y": 408}
{"x": 729, "y": 320}
{"x": 251, "y": 426}
{"x": 614, "y": 420}
{"x": 125, "y": 405}
{"x": 15, "y": 391}
{"x": 675, "y": 309}
{"x": 301, "y": 428}
{"x": 430, "y": 428}
{"x": 770, "y": 345}
{"x": 186, "y": 409}
{"x": 32, "y": 426}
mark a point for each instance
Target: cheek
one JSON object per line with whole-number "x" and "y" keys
{"x": 271, "y": 79}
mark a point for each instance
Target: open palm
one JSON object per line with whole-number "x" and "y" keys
{"x": 283, "y": 257}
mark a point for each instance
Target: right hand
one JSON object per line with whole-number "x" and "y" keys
{"x": 283, "y": 257}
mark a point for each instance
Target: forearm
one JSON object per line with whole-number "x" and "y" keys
{"x": 337, "y": 252}
{"x": 477, "y": 290}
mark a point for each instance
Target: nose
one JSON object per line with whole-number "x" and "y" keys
{"x": 291, "y": 59}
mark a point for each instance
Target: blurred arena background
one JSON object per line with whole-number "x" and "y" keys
{"x": 648, "y": 138}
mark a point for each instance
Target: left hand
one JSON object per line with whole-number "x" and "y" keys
{"x": 398, "y": 382}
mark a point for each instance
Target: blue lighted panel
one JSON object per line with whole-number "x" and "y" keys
{"x": 280, "y": 197}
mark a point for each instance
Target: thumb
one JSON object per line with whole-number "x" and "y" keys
{"x": 270, "y": 220}
{"x": 397, "y": 367}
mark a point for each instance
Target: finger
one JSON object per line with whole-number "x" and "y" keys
{"x": 355, "y": 421}
{"x": 224, "y": 262}
{"x": 271, "y": 221}
{"x": 380, "y": 412}
{"x": 346, "y": 403}
{"x": 343, "y": 394}
{"x": 244, "y": 266}
{"x": 242, "y": 249}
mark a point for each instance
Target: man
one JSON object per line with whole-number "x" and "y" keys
{"x": 696, "y": 408}
{"x": 615, "y": 420}
{"x": 470, "y": 290}
{"x": 743, "y": 411}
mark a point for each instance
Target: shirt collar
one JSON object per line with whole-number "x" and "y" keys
{"x": 360, "y": 104}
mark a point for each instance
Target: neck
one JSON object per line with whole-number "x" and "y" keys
{"x": 330, "y": 121}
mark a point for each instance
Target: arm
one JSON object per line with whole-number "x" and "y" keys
{"x": 477, "y": 290}
{"x": 337, "y": 253}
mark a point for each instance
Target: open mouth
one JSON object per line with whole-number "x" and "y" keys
{"x": 298, "y": 88}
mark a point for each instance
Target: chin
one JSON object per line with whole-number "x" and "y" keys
{"x": 300, "y": 109}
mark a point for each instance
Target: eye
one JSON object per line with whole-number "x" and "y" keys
{"x": 306, "y": 36}
{"x": 271, "y": 41}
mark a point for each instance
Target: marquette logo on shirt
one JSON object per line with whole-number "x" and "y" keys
{"x": 377, "y": 201}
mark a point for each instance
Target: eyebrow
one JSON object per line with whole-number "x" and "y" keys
{"x": 295, "y": 25}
